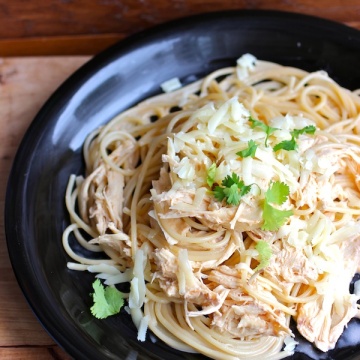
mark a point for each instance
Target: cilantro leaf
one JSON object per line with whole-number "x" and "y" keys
{"x": 277, "y": 193}
{"x": 310, "y": 129}
{"x": 291, "y": 144}
{"x": 286, "y": 145}
{"x": 274, "y": 218}
{"x": 249, "y": 151}
{"x": 211, "y": 172}
{"x": 257, "y": 123}
{"x": 107, "y": 300}
{"x": 219, "y": 193}
{"x": 230, "y": 180}
{"x": 244, "y": 189}
{"x": 267, "y": 129}
{"x": 232, "y": 189}
{"x": 232, "y": 194}
{"x": 264, "y": 250}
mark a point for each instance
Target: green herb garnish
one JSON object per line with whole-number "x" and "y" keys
{"x": 267, "y": 129}
{"x": 107, "y": 300}
{"x": 211, "y": 172}
{"x": 232, "y": 189}
{"x": 274, "y": 218}
{"x": 249, "y": 151}
{"x": 291, "y": 144}
{"x": 264, "y": 250}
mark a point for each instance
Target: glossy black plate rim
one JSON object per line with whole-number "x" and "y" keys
{"x": 74, "y": 341}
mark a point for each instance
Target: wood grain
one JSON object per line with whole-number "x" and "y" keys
{"x": 25, "y": 84}
{"x": 53, "y": 17}
{"x": 70, "y": 27}
{"x": 38, "y": 353}
{"x": 58, "y": 45}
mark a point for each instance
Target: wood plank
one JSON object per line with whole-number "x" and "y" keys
{"x": 33, "y": 353}
{"x": 20, "y": 19}
{"x": 25, "y": 84}
{"x": 87, "y": 27}
{"x": 58, "y": 45}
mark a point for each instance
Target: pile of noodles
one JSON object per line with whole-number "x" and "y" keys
{"x": 190, "y": 258}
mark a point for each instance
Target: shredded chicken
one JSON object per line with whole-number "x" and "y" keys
{"x": 195, "y": 291}
{"x": 322, "y": 321}
{"x": 291, "y": 266}
{"x": 242, "y": 315}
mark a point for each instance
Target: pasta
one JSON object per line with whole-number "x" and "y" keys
{"x": 231, "y": 205}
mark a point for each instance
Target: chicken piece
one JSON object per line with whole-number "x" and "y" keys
{"x": 104, "y": 187}
{"x": 166, "y": 264}
{"x": 292, "y": 266}
{"x": 164, "y": 183}
{"x": 322, "y": 321}
{"x": 307, "y": 193}
{"x": 173, "y": 202}
{"x": 241, "y": 314}
{"x": 177, "y": 203}
{"x": 242, "y": 218}
{"x": 168, "y": 272}
{"x": 109, "y": 201}
{"x": 118, "y": 241}
{"x": 249, "y": 320}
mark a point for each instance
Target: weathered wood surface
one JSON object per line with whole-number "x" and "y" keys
{"x": 25, "y": 84}
{"x": 88, "y": 26}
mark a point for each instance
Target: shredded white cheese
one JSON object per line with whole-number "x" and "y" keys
{"x": 247, "y": 61}
{"x": 290, "y": 344}
{"x": 103, "y": 268}
{"x": 245, "y": 64}
{"x": 171, "y": 85}
{"x": 141, "y": 336}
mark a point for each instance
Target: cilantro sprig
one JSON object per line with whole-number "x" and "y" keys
{"x": 287, "y": 145}
{"x": 274, "y": 218}
{"x": 267, "y": 129}
{"x": 249, "y": 151}
{"x": 107, "y": 300}
{"x": 232, "y": 189}
{"x": 291, "y": 144}
{"x": 265, "y": 253}
{"x": 310, "y": 129}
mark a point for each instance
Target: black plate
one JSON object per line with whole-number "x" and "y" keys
{"x": 114, "y": 80}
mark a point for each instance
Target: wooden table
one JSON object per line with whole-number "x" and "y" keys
{"x": 77, "y": 30}
{"x": 25, "y": 84}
